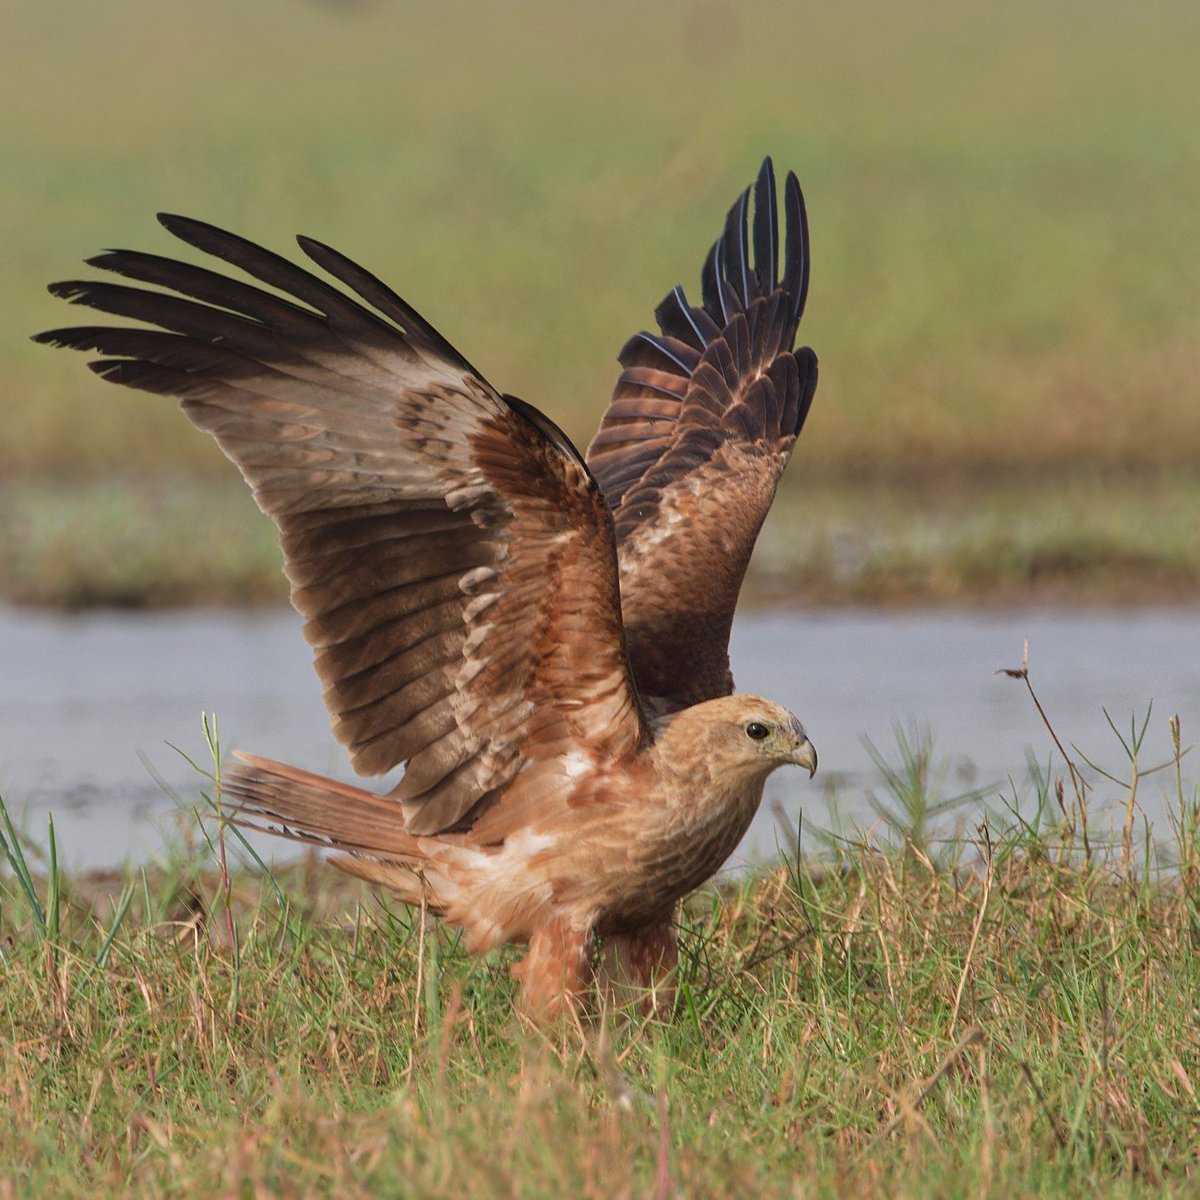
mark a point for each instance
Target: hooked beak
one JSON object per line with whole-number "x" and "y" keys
{"x": 805, "y": 755}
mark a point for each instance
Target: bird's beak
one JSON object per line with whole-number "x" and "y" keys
{"x": 805, "y": 755}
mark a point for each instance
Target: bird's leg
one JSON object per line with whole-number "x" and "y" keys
{"x": 556, "y": 973}
{"x": 639, "y": 967}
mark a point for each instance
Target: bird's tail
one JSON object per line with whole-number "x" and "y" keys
{"x": 273, "y": 797}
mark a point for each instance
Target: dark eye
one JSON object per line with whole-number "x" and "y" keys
{"x": 757, "y": 730}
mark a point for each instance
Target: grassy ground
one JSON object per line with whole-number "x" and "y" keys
{"x": 1083, "y": 539}
{"x": 1009, "y": 1013}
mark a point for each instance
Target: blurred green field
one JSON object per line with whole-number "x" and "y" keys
{"x": 1084, "y": 540}
{"x": 1005, "y": 200}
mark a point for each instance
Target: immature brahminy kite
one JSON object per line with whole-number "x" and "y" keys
{"x": 541, "y": 639}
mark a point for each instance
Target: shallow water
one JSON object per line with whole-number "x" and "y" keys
{"x": 83, "y": 699}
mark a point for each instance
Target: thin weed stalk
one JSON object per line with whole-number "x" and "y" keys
{"x": 1078, "y": 783}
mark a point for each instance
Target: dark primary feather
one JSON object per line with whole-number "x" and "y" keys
{"x": 700, "y": 426}
{"x": 383, "y": 298}
{"x": 451, "y": 555}
{"x": 734, "y": 255}
{"x": 766, "y": 232}
{"x": 795, "y": 277}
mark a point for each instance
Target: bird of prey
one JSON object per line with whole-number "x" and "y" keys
{"x": 541, "y": 638}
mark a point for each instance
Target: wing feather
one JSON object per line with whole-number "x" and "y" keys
{"x": 452, "y": 557}
{"x": 700, "y": 427}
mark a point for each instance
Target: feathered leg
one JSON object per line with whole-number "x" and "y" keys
{"x": 640, "y": 967}
{"x": 557, "y": 972}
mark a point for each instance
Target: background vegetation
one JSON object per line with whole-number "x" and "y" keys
{"x": 1005, "y": 205}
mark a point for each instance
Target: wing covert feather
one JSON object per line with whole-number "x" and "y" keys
{"x": 452, "y": 557}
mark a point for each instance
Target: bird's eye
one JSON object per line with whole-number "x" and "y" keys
{"x": 757, "y": 730}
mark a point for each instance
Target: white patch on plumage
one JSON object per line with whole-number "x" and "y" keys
{"x": 479, "y": 604}
{"x": 576, "y": 764}
{"x": 527, "y": 843}
{"x": 476, "y": 576}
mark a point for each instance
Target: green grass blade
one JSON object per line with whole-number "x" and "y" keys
{"x": 10, "y": 842}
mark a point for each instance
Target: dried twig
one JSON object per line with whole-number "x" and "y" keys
{"x": 1078, "y": 783}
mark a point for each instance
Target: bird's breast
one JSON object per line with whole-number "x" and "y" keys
{"x": 675, "y": 852}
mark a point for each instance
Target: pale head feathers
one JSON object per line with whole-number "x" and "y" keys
{"x": 742, "y": 738}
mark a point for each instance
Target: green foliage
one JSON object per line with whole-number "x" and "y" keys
{"x": 45, "y": 917}
{"x": 136, "y": 544}
{"x": 915, "y": 785}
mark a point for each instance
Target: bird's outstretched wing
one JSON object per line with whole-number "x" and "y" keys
{"x": 452, "y": 557}
{"x": 701, "y": 424}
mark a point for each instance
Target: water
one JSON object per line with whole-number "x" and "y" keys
{"x": 86, "y": 702}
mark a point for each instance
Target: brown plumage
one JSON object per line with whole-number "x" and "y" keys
{"x": 542, "y": 641}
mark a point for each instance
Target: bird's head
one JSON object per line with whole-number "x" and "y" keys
{"x": 747, "y": 736}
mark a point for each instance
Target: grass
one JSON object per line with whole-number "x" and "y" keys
{"x": 1005, "y": 207}
{"x": 1005, "y": 200}
{"x": 1010, "y": 1011}
{"x": 1084, "y": 539}
{"x": 137, "y": 544}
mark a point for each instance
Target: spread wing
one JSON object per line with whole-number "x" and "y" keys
{"x": 452, "y": 557}
{"x": 700, "y": 427}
